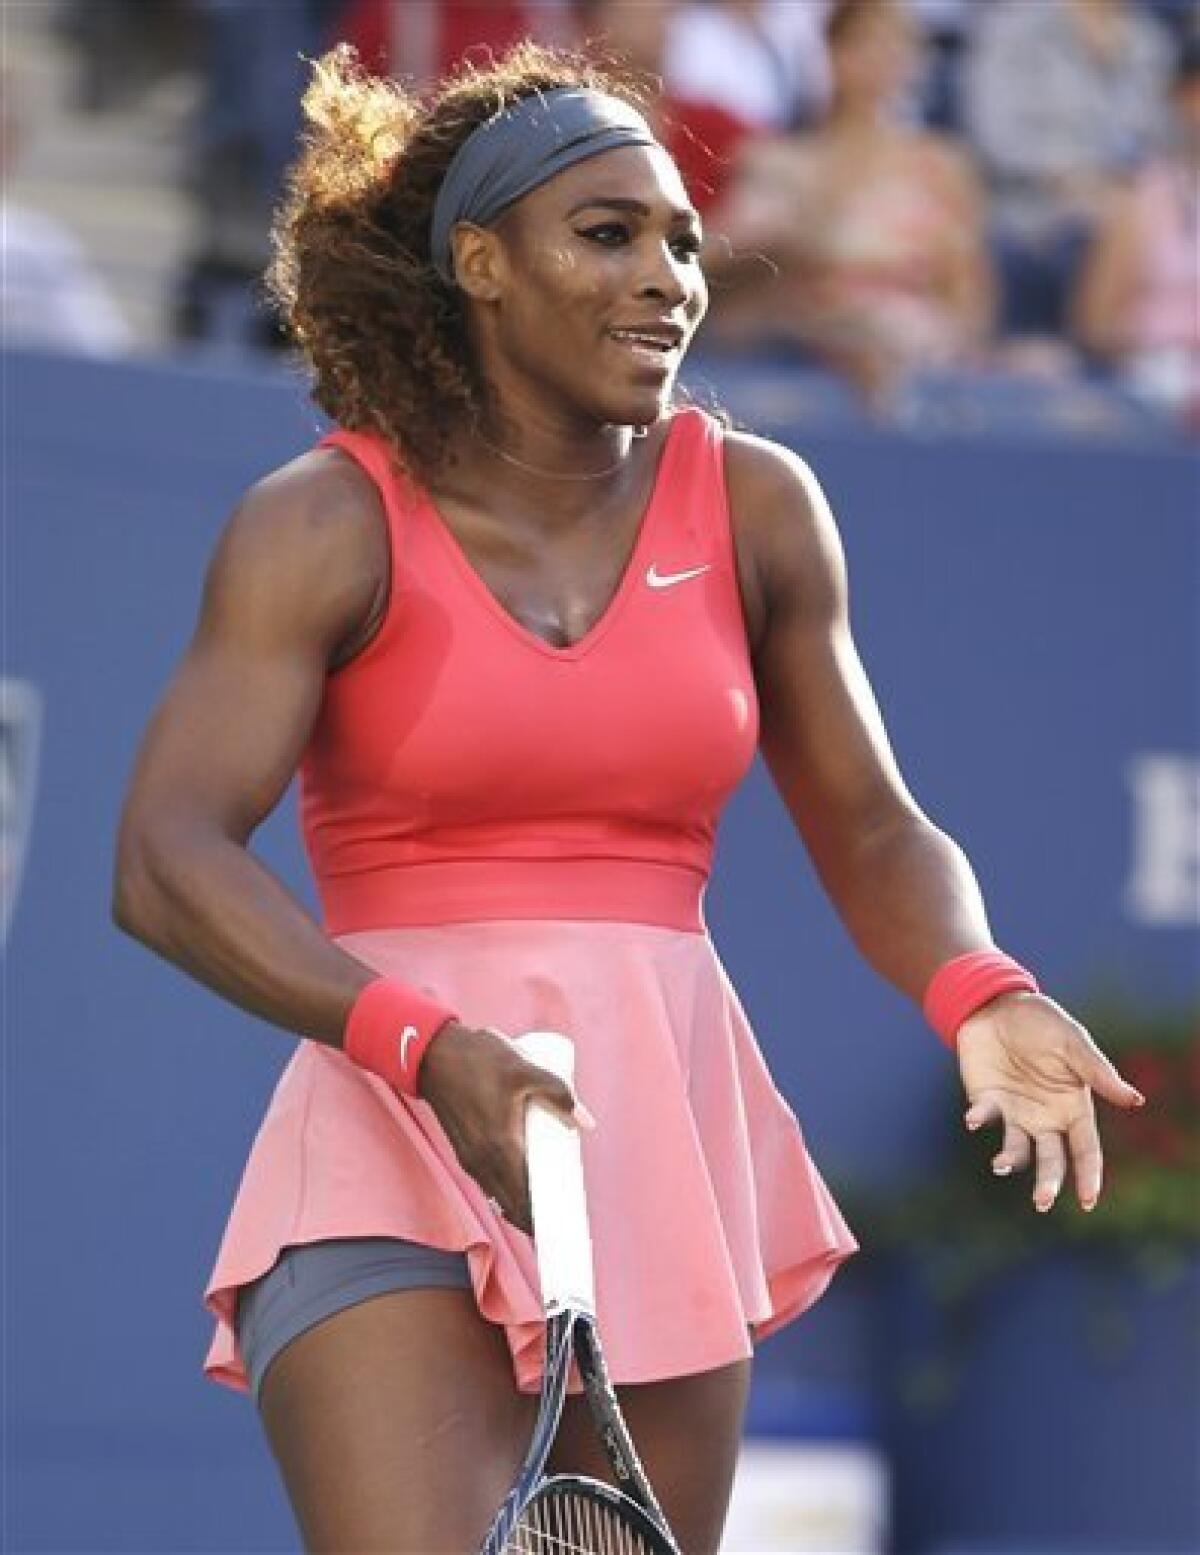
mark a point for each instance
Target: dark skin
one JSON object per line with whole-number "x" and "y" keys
{"x": 369, "y": 1424}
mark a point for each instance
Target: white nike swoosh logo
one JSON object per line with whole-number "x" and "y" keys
{"x": 666, "y": 580}
{"x": 406, "y": 1036}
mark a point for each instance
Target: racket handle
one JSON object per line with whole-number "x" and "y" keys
{"x": 555, "y": 1162}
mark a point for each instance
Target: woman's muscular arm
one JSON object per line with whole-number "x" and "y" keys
{"x": 300, "y": 568}
{"x": 903, "y": 888}
{"x": 299, "y": 578}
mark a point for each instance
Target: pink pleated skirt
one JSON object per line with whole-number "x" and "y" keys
{"x": 710, "y": 1222}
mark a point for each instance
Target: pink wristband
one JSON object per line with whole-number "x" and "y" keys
{"x": 966, "y": 983}
{"x": 389, "y": 1028}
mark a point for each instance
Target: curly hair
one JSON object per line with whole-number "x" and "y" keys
{"x": 384, "y": 335}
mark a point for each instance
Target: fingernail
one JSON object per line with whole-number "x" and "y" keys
{"x": 1140, "y": 1099}
{"x": 1088, "y": 1206}
{"x": 972, "y": 1124}
{"x": 1001, "y": 1168}
{"x": 584, "y": 1118}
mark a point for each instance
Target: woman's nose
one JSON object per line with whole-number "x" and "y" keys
{"x": 667, "y": 278}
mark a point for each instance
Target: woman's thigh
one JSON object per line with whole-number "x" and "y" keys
{"x": 396, "y": 1425}
{"x": 687, "y": 1433}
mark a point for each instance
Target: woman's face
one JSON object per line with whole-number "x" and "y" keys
{"x": 876, "y": 57}
{"x": 598, "y": 288}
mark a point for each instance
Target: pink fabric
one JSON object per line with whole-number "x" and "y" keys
{"x": 468, "y": 890}
{"x": 388, "y": 1030}
{"x": 966, "y": 983}
{"x": 460, "y": 739}
{"x": 708, "y": 1216}
{"x": 1167, "y": 309}
{"x": 523, "y": 833}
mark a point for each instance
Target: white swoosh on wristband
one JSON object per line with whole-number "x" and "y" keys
{"x": 406, "y": 1036}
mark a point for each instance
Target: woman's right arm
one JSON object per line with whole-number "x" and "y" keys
{"x": 299, "y": 570}
{"x": 298, "y": 578}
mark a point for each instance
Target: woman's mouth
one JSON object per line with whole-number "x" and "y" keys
{"x": 656, "y": 346}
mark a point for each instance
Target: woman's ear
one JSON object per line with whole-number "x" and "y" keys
{"x": 477, "y": 261}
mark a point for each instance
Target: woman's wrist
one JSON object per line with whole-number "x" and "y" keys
{"x": 965, "y": 983}
{"x": 390, "y": 1028}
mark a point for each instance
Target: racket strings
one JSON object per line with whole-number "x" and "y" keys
{"x": 574, "y": 1524}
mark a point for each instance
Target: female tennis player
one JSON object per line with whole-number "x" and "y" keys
{"x": 520, "y": 626}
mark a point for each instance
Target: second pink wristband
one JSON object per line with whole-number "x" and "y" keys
{"x": 966, "y": 983}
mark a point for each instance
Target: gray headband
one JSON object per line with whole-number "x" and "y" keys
{"x": 520, "y": 148}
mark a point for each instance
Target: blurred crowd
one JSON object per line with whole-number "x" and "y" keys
{"x": 889, "y": 187}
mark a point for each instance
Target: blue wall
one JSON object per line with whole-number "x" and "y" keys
{"x": 1027, "y": 613}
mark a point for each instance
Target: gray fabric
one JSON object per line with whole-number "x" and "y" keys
{"x": 521, "y": 148}
{"x": 311, "y": 1281}
{"x": 1040, "y": 107}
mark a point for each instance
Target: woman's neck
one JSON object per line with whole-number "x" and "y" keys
{"x": 850, "y": 120}
{"x": 562, "y": 474}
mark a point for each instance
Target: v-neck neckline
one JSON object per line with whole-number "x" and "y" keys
{"x": 604, "y": 622}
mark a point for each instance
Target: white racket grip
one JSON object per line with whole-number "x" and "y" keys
{"x": 555, "y": 1161}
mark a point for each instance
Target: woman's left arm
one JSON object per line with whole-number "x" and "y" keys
{"x": 904, "y": 889}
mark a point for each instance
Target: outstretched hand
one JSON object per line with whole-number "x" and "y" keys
{"x": 1026, "y": 1064}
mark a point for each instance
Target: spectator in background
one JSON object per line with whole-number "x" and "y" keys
{"x": 246, "y": 136}
{"x": 762, "y": 60}
{"x": 1063, "y": 98}
{"x": 1179, "y": 17}
{"x": 1138, "y": 304}
{"x": 876, "y": 227}
{"x": 946, "y": 29}
{"x": 123, "y": 48}
{"x": 50, "y": 296}
{"x": 421, "y": 40}
{"x": 702, "y": 137}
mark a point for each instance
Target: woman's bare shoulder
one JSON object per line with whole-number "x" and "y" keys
{"x": 307, "y": 543}
{"x": 318, "y": 510}
{"x": 943, "y": 158}
{"x": 778, "y": 161}
{"x": 322, "y": 496}
{"x": 762, "y": 472}
{"x": 784, "y": 533}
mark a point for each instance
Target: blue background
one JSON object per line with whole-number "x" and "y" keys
{"x": 1026, "y": 610}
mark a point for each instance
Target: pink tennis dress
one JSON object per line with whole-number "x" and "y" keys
{"x": 525, "y": 832}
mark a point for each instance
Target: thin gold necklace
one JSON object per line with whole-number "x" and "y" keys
{"x": 556, "y": 475}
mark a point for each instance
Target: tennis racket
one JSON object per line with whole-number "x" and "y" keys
{"x": 571, "y": 1514}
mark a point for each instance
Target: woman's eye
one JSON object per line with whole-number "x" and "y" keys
{"x": 616, "y": 234}
{"x": 610, "y": 233}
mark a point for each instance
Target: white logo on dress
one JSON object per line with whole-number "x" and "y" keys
{"x": 406, "y": 1036}
{"x": 665, "y": 580}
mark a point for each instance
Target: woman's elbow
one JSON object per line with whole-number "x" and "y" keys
{"x": 139, "y": 899}
{"x": 132, "y": 892}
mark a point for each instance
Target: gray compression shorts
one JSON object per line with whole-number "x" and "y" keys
{"x": 311, "y": 1282}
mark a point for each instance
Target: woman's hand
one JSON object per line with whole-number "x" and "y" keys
{"x": 1027, "y": 1064}
{"x": 478, "y": 1084}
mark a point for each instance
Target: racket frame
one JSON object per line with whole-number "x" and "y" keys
{"x": 563, "y": 1247}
